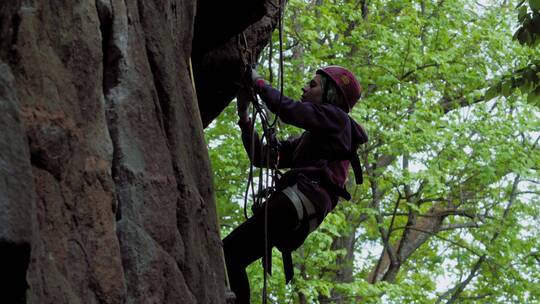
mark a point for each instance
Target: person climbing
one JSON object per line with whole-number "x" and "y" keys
{"x": 318, "y": 159}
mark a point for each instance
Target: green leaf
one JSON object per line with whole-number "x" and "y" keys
{"x": 493, "y": 92}
{"x": 506, "y": 88}
{"x": 523, "y": 36}
{"x": 522, "y": 14}
{"x": 535, "y": 4}
{"x": 534, "y": 97}
{"x": 413, "y": 206}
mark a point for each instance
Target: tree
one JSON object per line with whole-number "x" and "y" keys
{"x": 526, "y": 78}
{"x": 451, "y": 177}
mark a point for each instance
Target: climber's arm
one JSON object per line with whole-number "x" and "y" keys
{"x": 259, "y": 153}
{"x": 305, "y": 115}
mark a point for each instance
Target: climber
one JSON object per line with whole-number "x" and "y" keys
{"x": 318, "y": 159}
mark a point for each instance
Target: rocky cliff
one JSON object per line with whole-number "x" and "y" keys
{"x": 105, "y": 185}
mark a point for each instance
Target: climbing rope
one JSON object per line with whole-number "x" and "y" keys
{"x": 265, "y": 184}
{"x": 272, "y": 141}
{"x": 280, "y": 34}
{"x": 266, "y": 178}
{"x": 191, "y": 75}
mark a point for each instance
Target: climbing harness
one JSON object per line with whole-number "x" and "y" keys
{"x": 301, "y": 202}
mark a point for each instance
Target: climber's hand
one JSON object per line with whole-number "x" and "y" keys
{"x": 243, "y": 98}
{"x": 253, "y": 78}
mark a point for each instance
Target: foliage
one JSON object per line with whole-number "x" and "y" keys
{"x": 527, "y": 78}
{"x": 229, "y": 164}
{"x": 529, "y": 31}
{"x": 451, "y": 175}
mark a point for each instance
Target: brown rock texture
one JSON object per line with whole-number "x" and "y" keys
{"x": 219, "y": 69}
{"x": 106, "y": 190}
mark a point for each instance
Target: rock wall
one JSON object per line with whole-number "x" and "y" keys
{"x": 105, "y": 184}
{"x": 219, "y": 68}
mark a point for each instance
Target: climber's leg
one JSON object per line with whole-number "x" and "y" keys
{"x": 246, "y": 243}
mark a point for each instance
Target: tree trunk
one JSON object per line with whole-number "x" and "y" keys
{"x": 106, "y": 191}
{"x": 414, "y": 235}
{"x": 344, "y": 271}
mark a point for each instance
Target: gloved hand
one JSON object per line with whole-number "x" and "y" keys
{"x": 243, "y": 98}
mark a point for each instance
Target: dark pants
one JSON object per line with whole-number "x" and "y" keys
{"x": 245, "y": 244}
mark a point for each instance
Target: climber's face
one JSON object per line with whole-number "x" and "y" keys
{"x": 313, "y": 90}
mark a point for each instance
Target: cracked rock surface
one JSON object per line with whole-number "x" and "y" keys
{"x": 106, "y": 189}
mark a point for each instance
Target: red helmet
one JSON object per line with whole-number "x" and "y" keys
{"x": 346, "y": 82}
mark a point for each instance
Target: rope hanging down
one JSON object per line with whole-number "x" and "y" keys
{"x": 266, "y": 177}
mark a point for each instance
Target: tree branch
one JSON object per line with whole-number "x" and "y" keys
{"x": 531, "y": 181}
{"x": 448, "y": 212}
{"x": 459, "y": 226}
{"x": 458, "y": 289}
{"x": 442, "y": 238}
{"x": 461, "y": 286}
{"x": 418, "y": 68}
{"x": 448, "y": 105}
{"x": 528, "y": 192}
{"x": 386, "y": 237}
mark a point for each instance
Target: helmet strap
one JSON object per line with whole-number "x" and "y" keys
{"x": 325, "y": 88}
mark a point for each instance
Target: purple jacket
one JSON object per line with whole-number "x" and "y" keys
{"x": 319, "y": 157}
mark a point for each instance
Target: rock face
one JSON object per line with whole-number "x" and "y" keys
{"x": 219, "y": 68}
{"x": 105, "y": 185}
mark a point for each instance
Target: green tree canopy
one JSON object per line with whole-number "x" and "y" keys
{"x": 526, "y": 79}
{"x": 448, "y": 212}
